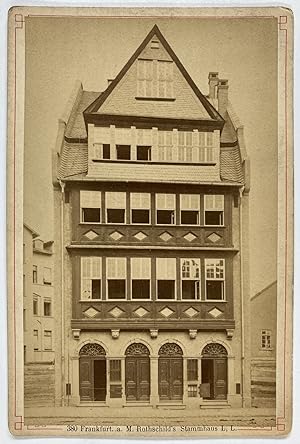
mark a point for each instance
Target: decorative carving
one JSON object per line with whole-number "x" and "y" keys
{"x": 115, "y": 333}
{"x": 214, "y": 349}
{"x": 137, "y": 349}
{"x": 170, "y": 349}
{"x": 229, "y": 332}
{"x": 92, "y": 349}
{"x": 153, "y": 333}
{"x": 193, "y": 333}
{"x": 76, "y": 333}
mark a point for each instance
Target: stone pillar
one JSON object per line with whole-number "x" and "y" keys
{"x": 123, "y": 380}
{"x": 185, "y": 382}
{"x": 154, "y": 398}
{"x": 75, "y": 397}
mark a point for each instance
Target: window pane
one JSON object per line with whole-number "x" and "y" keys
{"x": 115, "y": 370}
{"x": 192, "y": 369}
{"x": 116, "y": 289}
{"x": 106, "y": 151}
{"x": 47, "y": 308}
{"x": 214, "y": 290}
{"x": 165, "y": 217}
{"x": 213, "y": 218}
{"x": 189, "y": 289}
{"x": 189, "y": 217}
{"x": 123, "y": 152}
{"x": 91, "y": 215}
{"x": 140, "y": 289}
{"x": 115, "y": 216}
{"x": 96, "y": 289}
{"x": 165, "y": 289}
{"x": 143, "y": 153}
{"x": 140, "y": 216}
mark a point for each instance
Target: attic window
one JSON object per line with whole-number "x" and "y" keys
{"x": 155, "y": 44}
{"x": 155, "y": 80}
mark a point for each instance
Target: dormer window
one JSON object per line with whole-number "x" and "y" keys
{"x": 155, "y": 79}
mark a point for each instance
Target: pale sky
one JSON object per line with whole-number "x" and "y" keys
{"x": 61, "y": 50}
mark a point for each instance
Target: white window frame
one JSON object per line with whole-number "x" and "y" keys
{"x": 155, "y": 79}
{"x": 97, "y": 276}
{"x": 166, "y": 150}
{"x": 51, "y": 340}
{"x": 107, "y": 196}
{"x": 192, "y": 208}
{"x": 108, "y": 278}
{"x": 166, "y": 207}
{"x": 47, "y": 301}
{"x": 141, "y": 207}
{"x": 141, "y": 277}
{"x": 266, "y": 333}
{"x": 214, "y": 207}
{"x": 159, "y": 268}
{"x": 45, "y": 279}
{"x": 95, "y": 199}
{"x": 223, "y": 279}
{"x": 198, "y": 280}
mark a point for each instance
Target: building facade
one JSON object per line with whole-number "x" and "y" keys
{"x": 151, "y": 183}
{"x": 263, "y": 346}
{"x": 38, "y": 320}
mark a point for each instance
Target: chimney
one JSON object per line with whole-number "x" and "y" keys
{"x": 222, "y": 96}
{"x": 213, "y": 80}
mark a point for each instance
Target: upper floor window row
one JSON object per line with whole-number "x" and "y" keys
{"x": 139, "y": 207}
{"x": 153, "y": 145}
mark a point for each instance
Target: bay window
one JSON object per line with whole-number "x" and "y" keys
{"x": 140, "y": 277}
{"x": 215, "y": 279}
{"x": 166, "y": 278}
{"x": 116, "y": 277}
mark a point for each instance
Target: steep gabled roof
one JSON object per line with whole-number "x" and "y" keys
{"x": 95, "y": 106}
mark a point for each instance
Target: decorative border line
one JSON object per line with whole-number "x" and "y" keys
{"x": 283, "y": 26}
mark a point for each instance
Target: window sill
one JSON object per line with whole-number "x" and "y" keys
{"x": 156, "y": 99}
{"x": 156, "y": 162}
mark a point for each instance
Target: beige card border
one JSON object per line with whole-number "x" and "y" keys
{"x": 15, "y": 148}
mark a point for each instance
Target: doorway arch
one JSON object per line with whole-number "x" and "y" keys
{"x": 137, "y": 372}
{"x": 214, "y": 371}
{"x": 170, "y": 372}
{"x": 92, "y": 373}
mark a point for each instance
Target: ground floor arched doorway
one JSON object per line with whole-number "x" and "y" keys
{"x": 137, "y": 372}
{"x": 170, "y": 372}
{"x": 92, "y": 373}
{"x": 214, "y": 372}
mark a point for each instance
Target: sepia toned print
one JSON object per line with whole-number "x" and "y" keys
{"x": 155, "y": 279}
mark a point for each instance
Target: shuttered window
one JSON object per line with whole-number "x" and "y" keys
{"x": 140, "y": 277}
{"x": 116, "y": 277}
{"x": 214, "y": 209}
{"x": 165, "y": 209}
{"x": 140, "y": 208}
{"x": 166, "y": 152}
{"x": 155, "y": 79}
{"x": 90, "y": 206}
{"x": 166, "y": 278}
{"x": 190, "y": 209}
{"x": 115, "y": 207}
{"x": 91, "y": 275}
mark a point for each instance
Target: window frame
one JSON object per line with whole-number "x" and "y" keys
{"x": 45, "y": 280}
{"x": 212, "y": 210}
{"x": 215, "y": 279}
{"x": 51, "y": 339}
{"x": 164, "y": 279}
{"x": 265, "y": 334}
{"x": 107, "y": 193}
{"x": 47, "y": 301}
{"x": 34, "y": 274}
{"x": 151, "y": 78}
{"x": 141, "y": 279}
{"x": 133, "y": 208}
{"x": 107, "y": 279}
{"x": 197, "y": 281}
{"x": 81, "y": 193}
{"x": 82, "y": 258}
{"x": 165, "y": 209}
{"x": 198, "y": 210}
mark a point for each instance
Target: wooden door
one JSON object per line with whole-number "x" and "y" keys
{"x": 137, "y": 378}
{"x": 170, "y": 378}
{"x": 86, "y": 379}
{"x": 220, "y": 378}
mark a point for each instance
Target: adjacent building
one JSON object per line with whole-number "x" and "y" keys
{"x": 151, "y": 184}
{"x": 38, "y": 320}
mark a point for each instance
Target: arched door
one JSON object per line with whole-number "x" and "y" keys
{"x": 170, "y": 372}
{"x": 92, "y": 373}
{"x": 137, "y": 372}
{"x": 214, "y": 372}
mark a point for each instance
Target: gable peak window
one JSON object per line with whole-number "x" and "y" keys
{"x": 155, "y": 79}
{"x": 90, "y": 206}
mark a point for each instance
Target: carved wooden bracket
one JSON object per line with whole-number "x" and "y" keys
{"x": 193, "y": 333}
{"x": 115, "y": 333}
{"x": 229, "y": 332}
{"x": 76, "y": 333}
{"x": 153, "y": 333}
